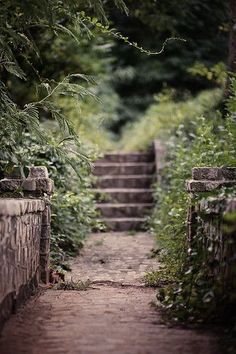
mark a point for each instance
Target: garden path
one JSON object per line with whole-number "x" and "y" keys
{"x": 114, "y": 315}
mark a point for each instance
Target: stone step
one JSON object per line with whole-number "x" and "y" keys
{"x": 103, "y": 168}
{"x": 124, "y": 224}
{"x": 124, "y": 210}
{"x": 128, "y": 181}
{"x": 127, "y": 157}
{"x": 124, "y": 195}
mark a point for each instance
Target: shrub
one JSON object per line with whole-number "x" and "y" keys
{"x": 207, "y": 142}
{"x": 164, "y": 116}
{"x": 73, "y": 204}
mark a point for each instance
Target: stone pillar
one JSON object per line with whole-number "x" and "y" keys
{"x": 160, "y": 155}
{"x": 44, "y": 189}
{"x": 45, "y": 244}
{"x": 211, "y": 224}
{"x": 36, "y": 185}
{"x": 205, "y": 180}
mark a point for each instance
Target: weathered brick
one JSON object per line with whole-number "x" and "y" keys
{"x": 207, "y": 217}
{"x": 46, "y": 216}
{"x": 44, "y": 185}
{"x": 207, "y": 185}
{"x": 38, "y": 172}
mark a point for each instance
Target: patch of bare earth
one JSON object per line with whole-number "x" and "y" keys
{"x": 113, "y": 316}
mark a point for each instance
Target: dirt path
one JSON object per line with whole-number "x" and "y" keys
{"x": 113, "y": 316}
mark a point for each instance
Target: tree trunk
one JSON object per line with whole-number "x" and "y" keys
{"x": 232, "y": 53}
{"x": 232, "y": 37}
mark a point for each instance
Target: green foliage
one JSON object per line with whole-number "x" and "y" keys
{"x": 27, "y": 30}
{"x": 138, "y": 77}
{"x": 110, "y": 31}
{"x": 206, "y": 142}
{"x": 158, "y": 278}
{"x": 73, "y": 207}
{"x": 202, "y": 291}
{"x": 216, "y": 74}
{"x": 43, "y": 47}
{"x": 162, "y": 118}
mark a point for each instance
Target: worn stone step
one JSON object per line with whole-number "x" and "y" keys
{"x": 123, "y": 195}
{"x": 104, "y": 168}
{"x": 124, "y": 210}
{"x": 128, "y": 157}
{"x": 125, "y": 224}
{"x": 129, "y": 181}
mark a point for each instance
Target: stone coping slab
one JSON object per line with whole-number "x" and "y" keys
{"x": 20, "y": 206}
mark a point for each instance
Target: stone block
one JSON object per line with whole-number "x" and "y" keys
{"x": 207, "y": 218}
{"x": 20, "y": 206}
{"x": 160, "y": 152}
{"x": 214, "y": 173}
{"x": 38, "y": 172}
{"x": 46, "y": 216}
{"x": 10, "y": 184}
{"x": 28, "y": 185}
{"x": 194, "y": 186}
{"x": 44, "y": 185}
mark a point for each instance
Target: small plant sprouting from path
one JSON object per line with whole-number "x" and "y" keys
{"x": 157, "y": 278}
{"x": 73, "y": 285}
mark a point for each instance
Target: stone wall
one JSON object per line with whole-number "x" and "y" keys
{"x": 160, "y": 153}
{"x": 24, "y": 237}
{"x": 212, "y": 220}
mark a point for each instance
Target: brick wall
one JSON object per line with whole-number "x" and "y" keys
{"x": 212, "y": 219}
{"x": 24, "y": 237}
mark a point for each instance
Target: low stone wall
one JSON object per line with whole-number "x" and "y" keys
{"x": 212, "y": 220}
{"x": 24, "y": 237}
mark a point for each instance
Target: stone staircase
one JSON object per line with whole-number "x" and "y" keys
{"x": 124, "y": 185}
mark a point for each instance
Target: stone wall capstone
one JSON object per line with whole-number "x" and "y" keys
{"x": 24, "y": 237}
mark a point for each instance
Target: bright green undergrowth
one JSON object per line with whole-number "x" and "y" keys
{"x": 164, "y": 116}
{"x": 90, "y": 117}
{"x": 204, "y": 141}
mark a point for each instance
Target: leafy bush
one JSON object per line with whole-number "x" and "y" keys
{"x": 207, "y": 142}
{"x": 73, "y": 204}
{"x": 164, "y": 116}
